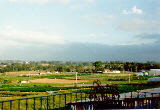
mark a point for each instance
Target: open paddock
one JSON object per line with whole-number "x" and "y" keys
{"x": 60, "y": 81}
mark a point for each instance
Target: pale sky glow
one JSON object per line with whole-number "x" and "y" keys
{"x": 90, "y": 29}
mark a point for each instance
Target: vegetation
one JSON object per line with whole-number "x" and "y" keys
{"x": 14, "y": 72}
{"x": 80, "y": 67}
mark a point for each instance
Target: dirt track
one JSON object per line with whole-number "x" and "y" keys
{"x": 120, "y": 74}
{"x": 60, "y": 81}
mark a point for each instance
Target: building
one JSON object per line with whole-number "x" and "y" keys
{"x": 154, "y": 72}
{"x": 106, "y": 71}
{"x": 23, "y": 81}
{"x": 142, "y": 74}
{"x": 116, "y": 71}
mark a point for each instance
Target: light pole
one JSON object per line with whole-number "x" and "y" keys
{"x": 129, "y": 79}
{"x": 76, "y": 78}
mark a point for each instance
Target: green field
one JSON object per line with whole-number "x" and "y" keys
{"x": 10, "y": 88}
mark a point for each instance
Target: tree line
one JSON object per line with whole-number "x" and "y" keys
{"x": 80, "y": 67}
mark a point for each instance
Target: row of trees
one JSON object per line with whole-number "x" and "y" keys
{"x": 80, "y": 67}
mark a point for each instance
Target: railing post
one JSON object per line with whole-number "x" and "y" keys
{"x": 59, "y": 101}
{"x": 152, "y": 95}
{"x": 138, "y": 95}
{"x": 41, "y": 104}
{"x": 53, "y": 101}
{"x": 76, "y": 101}
{"x": 81, "y": 96}
{"x": 70, "y": 97}
{"x": 10, "y": 105}
{"x": 34, "y": 103}
{"x": 18, "y": 104}
{"x": 85, "y": 96}
{"x": 90, "y": 97}
{"x": 26, "y": 104}
{"x": 47, "y": 102}
{"x": 76, "y": 97}
{"x": 2, "y": 106}
{"x": 152, "y": 100}
{"x": 145, "y": 98}
{"x": 65, "y": 100}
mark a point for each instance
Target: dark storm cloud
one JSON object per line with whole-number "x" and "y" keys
{"x": 87, "y": 52}
{"x": 150, "y": 36}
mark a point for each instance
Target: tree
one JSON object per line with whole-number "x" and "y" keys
{"x": 98, "y": 66}
{"x": 80, "y": 69}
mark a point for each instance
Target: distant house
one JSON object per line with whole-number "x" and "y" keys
{"x": 71, "y": 72}
{"x": 116, "y": 71}
{"x": 49, "y": 92}
{"x": 27, "y": 62}
{"x": 56, "y": 72}
{"x": 155, "y": 72}
{"x": 45, "y": 73}
{"x": 139, "y": 74}
{"x": 142, "y": 74}
{"x": 99, "y": 71}
{"x": 24, "y": 81}
{"x": 106, "y": 71}
{"x": 45, "y": 64}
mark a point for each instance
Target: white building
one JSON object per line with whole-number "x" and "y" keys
{"x": 142, "y": 74}
{"x": 116, "y": 71}
{"x": 24, "y": 81}
{"x": 106, "y": 71}
{"x": 154, "y": 72}
{"x": 139, "y": 74}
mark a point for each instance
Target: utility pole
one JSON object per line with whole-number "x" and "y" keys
{"x": 76, "y": 78}
{"x": 129, "y": 79}
{"x": 123, "y": 69}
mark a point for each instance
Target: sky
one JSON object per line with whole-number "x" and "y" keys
{"x": 80, "y": 30}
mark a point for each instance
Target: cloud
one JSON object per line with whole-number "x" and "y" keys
{"x": 98, "y": 19}
{"x": 134, "y": 10}
{"x": 154, "y": 38}
{"x": 158, "y": 12}
{"x": 91, "y": 1}
{"x": 19, "y": 37}
{"x": 92, "y": 35}
{"x": 86, "y": 52}
{"x": 106, "y": 39}
{"x": 144, "y": 39}
{"x": 76, "y": 7}
{"x": 40, "y": 1}
{"x": 140, "y": 25}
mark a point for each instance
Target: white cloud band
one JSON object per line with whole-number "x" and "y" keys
{"x": 134, "y": 10}
{"x": 40, "y": 1}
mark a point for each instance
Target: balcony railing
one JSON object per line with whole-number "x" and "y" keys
{"x": 83, "y": 101}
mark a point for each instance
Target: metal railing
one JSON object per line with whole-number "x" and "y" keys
{"x": 81, "y": 99}
{"x": 142, "y": 100}
{"x": 134, "y": 100}
{"x": 48, "y": 102}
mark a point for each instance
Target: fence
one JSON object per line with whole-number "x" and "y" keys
{"x": 83, "y": 100}
{"x": 49, "y": 102}
{"x": 142, "y": 100}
